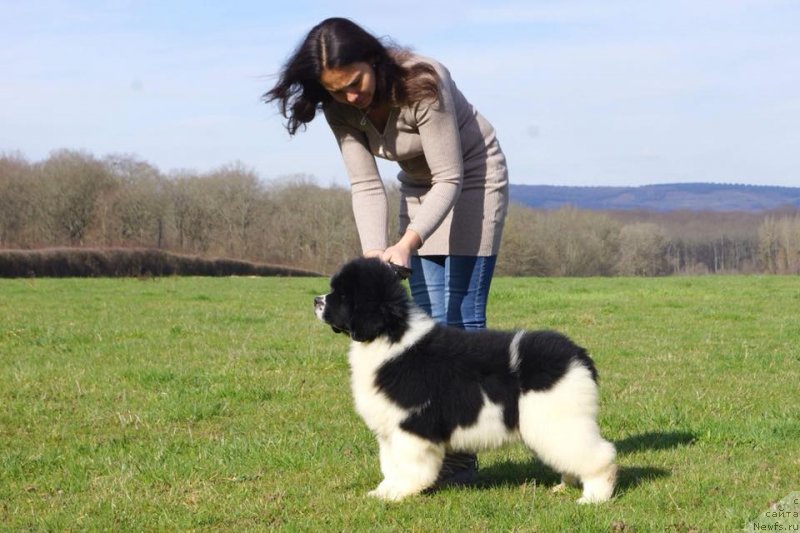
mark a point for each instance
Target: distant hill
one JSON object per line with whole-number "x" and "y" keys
{"x": 671, "y": 197}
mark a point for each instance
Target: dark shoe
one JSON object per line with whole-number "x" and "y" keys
{"x": 458, "y": 469}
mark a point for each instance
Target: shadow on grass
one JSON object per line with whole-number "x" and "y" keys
{"x": 629, "y": 477}
{"x": 654, "y": 441}
{"x": 516, "y": 474}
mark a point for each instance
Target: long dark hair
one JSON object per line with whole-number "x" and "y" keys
{"x": 337, "y": 42}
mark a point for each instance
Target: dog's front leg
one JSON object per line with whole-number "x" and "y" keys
{"x": 387, "y": 467}
{"x": 387, "y": 462}
{"x": 409, "y": 464}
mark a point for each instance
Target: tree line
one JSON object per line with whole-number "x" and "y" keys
{"x": 75, "y": 199}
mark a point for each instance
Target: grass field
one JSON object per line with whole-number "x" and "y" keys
{"x": 200, "y": 403}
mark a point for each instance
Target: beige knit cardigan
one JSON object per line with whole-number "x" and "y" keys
{"x": 453, "y": 175}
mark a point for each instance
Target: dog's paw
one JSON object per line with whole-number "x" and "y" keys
{"x": 390, "y": 493}
{"x": 599, "y": 488}
{"x": 385, "y": 495}
{"x": 375, "y": 493}
{"x": 381, "y": 492}
{"x": 584, "y": 500}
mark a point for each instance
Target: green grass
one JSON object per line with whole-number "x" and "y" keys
{"x": 194, "y": 403}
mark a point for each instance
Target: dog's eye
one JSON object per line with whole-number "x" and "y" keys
{"x": 337, "y": 297}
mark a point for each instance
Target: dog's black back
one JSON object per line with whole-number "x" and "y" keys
{"x": 450, "y": 370}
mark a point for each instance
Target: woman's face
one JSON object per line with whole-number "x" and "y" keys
{"x": 352, "y": 84}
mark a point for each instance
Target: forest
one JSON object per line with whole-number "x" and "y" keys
{"x": 75, "y": 199}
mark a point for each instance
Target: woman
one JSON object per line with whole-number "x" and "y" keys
{"x": 384, "y": 101}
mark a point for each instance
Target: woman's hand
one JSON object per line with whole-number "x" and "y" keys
{"x": 374, "y": 253}
{"x": 400, "y": 253}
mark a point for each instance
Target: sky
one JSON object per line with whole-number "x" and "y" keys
{"x": 581, "y": 92}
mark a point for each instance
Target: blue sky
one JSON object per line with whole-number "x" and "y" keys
{"x": 581, "y": 92}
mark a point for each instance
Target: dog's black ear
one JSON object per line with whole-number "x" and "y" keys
{"x": 366, "y": 325}
{"x": 388, "y": 317}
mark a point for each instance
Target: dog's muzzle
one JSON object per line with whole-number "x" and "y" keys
{"x": 319, "y": 310}
{"x": 319, "y": 306}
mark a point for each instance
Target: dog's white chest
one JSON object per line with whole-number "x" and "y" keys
{"x": 379, "y": 413}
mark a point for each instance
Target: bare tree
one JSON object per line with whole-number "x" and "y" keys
{"x": 642, "y": 250}
{"x": 578, "y": 243}
{"x": 779, "y": 240}
{"x": 564, "y": 242}
{"x": 138, "y": 212}
{"x": 237, "y": 196}
{"x": 72, "y": 198}
{"x": 790, "y": 242}
{"x": 75, "y": 182}
{"x": 309, "y": 225}
{"x": 15, "y": 198}
{"x": 519, "y": 251}
{"x": 195, "y": 213}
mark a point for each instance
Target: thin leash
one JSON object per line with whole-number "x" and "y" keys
{"x": 401, "y": 271}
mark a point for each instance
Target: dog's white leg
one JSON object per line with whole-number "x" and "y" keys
{"x": 560, "y": 426}
{"x": 411, "y": 465}
{"x": 388, "y": 467}
{"x": 600, "y": 486}
{"x": 582, "y": 456}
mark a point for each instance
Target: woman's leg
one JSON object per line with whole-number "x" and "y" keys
{"x": 468, "y": 280}
{"x": 427, "y": 284}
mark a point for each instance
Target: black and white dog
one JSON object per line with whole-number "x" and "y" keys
{"x": 425, "y": 389}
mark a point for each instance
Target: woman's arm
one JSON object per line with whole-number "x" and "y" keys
{"x": 370, "y": 206}
{"x": 437, "y": 123}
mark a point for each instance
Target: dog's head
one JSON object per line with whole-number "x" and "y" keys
{"x": 367, "y": 301}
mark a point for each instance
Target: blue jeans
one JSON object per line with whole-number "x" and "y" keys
{"x": 453, "y": 289}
